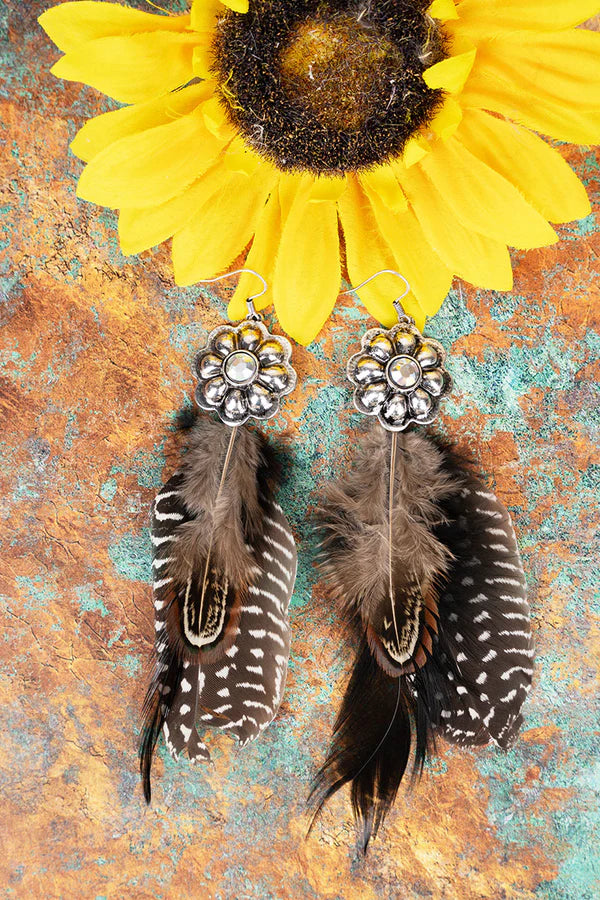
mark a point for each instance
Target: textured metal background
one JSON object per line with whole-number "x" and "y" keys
{"x": 95, "y": 359}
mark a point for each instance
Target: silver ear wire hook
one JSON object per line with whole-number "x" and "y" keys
{"x": 397, "y": 304}
{"x": 252, "y": 313}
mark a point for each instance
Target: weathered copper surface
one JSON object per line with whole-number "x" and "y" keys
{"x": 96, "y": 353}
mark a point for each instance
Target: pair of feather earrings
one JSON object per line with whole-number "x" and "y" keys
{"x": 421, "y": 559}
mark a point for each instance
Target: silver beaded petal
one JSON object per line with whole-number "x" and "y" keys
{"x": 243, "y": 372}
{"x": 399, "y": 376}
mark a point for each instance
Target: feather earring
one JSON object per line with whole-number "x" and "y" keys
{"x": 224, "y": 557}
{"x": 423, "y": 564}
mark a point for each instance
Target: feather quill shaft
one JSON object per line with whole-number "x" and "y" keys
{"x": 212, "y": 529}
{"x": 392, "y": 478}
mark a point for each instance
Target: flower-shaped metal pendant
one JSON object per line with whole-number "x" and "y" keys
{"x": 243, "y": 372}
{"x": 399, "y": 376}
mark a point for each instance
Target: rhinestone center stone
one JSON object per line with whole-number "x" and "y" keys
{"x": 403, "y": 372}
{"x": 240, "y": 368}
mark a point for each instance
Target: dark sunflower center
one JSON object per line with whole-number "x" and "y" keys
{"x": 338, "y": 72}
{"x": 328, "y": 85}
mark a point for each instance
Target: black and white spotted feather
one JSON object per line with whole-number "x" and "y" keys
{"x": 432, "y": 591}
{"x": 225, "y": 566}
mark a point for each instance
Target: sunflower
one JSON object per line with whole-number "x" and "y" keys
{"x": 271, "y": 123}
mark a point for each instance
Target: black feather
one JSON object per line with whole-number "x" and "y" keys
{"x": 154, "y": 713}
{"x": 362, "y": 750}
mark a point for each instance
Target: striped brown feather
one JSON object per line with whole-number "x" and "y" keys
{"x": 424, "y": 568}
{"x": 224, "y": 563}
{"x": 486, "y": 621}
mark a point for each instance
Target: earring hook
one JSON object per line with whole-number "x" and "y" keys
{"x": 398, "y": 301}
{"x": 250, "y": 301}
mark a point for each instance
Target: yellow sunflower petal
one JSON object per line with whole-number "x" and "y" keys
{"x": 261, "y": 257}
{"x": 416, "y": 148}
{"x": 562, "y": 66}
{"x": 450, "y": 74}
{"x": 70, "y": 25}
{"x": 101, "y": 131}
{"x": 203, "y": 14}
{"x": 224, "y": 225}
{"x": 148, "y": 168}
{"x": 429, "y": 278}
{"x": 140, "y": 229}
{"x": 239, "y": 6}
{"x": 239, "y": 157}
{"x": 215, "y": 118}
{"x": 304, "y": 297}
{"x": 367, "y": 253}
{"x": 482, "y": 17}
{"x": 550, "y": 84}
{"x": 443, "y": 10}
{"x": 383, "y": 182}
{"x": 484, "y": 201}
{"x": 448, "y": 119}
{"x": 478, "y": 259}
{"x": 290, "y": 183}
{"x": 567, "y": 122}
{"x": 202, "y": 59}
{"x": 327, "y": 188}
{"x": 535, "y": 168}
{"x": 131, "y": 68}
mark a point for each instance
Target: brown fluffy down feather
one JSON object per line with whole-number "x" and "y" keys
{"x": 353, "y": 513}
{"x": 236, "y": 520}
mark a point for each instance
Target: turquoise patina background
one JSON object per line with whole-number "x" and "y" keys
{"x": 95, "y": 360}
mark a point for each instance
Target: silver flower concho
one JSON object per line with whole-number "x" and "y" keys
{"x": 243, "y": 372}
{"x": 399, "y": 376}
